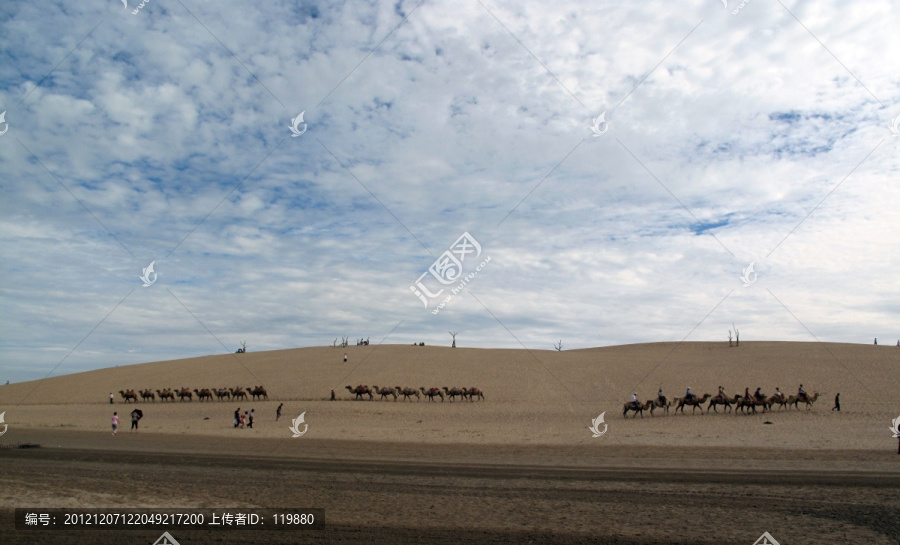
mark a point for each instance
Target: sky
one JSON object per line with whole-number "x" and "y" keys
{"x": 596, "y": 173}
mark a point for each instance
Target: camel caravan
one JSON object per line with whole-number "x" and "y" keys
{"x": 203, "y": 394}
{"x": 407, "y": 393}
{"x": 748, "y": 403}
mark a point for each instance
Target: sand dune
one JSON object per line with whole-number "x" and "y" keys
{"x": 532, "y": 397}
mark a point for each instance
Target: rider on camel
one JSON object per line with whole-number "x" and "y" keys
{"x": 722, "y": 393}
{"x": 688, "y": 395}
{"x": 759, "y": 395}
{"x": 661, "y": 397}
{"x": 801, "y": 394}
{"x": 746, "y": 394}
{"x": 634, "y": 402}
{"x": 778, "y": 393}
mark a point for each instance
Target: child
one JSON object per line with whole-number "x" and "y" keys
{"x": 115, "y": 423}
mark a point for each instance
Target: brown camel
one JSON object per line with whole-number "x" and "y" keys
{"x": 258, "y": 392}
{"x": 166, "y": 394}
{"x": 453, "y": 392}
{"x": 780, "y": 401}
{"x": 431, "y": 392}
{"x": 384, "y": 392}
{"x": 185, "y": 393}
{"x": 203, "y": 394}
{"x": 223, "y": 393}
{"x": 695, "y": 402}
{"x": 360, "y": 391}
{"x": 473, "y": 393}
{"x": 657, "y": 404}
{"x": 752, "y": 403}
{"x": 809, "y": 400}
{"x": 407, "y": 393}
{"x": 238, "y": 393}
{"x": 148, "y": 394}
{"x": 639, "y": 409}
{"x": 722, "y": 399}
{"x": 128, "y": 394}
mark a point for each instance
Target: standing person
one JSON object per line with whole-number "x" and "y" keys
{"x": 345, "y": 357}
{"x": 237, "y": 417}
{"x": 332, "y": 395}
{"x": 250, "y": 419}
{"x": 243, "y": 419}
{"x": 876, "y": 341}
{"x": 278, "y": 411}
{"x": 115, "y": 423}
{"x": 837, "y": 403}
{"x": 111, "y": 398}
{"x": 135, "y": 416}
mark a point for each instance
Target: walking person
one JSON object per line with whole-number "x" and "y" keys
{"x": 243, "y": 419}
{"x": 332, "y": 395}
{"x": 237, "y": 417}
{"x": 345, "y": 357}
{"x": 278, "y": 412}
{"x": 250, "y": 419}
{"x": 115, "y": 423}
{"x": 837, "y": 403}
{"x": 135, "y": 416}
{"x": 111, "y": 398}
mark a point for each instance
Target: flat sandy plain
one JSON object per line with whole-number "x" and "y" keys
{"x": 521, "y": 466}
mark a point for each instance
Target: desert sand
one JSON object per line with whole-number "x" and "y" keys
{"x": 520, "y": 466}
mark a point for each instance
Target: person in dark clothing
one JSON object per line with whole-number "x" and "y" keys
{"x": 278, "y": 412}
{"x": 837, "y": 403}
{"x": 237, "y": 417}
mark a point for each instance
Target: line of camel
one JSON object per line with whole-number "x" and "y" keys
{"x": 168, "y": 394}
{"x": 739, "y": 402}
{"x": 465, "y": 393}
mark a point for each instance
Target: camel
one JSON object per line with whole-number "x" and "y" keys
{"x": 722, "y": 399}
{"x": 185, "y": 393}
{"x": 472, "y": 393}
{"x": 431, "y": 392}
{"x": 128, "y": 394}
{"x": 238, "y": 393}
{"x": 780, "y": 401}
{"x": 407, "y": 393}
{"x": 753, "y": 403}
{"x": 222, "y": 393}
{"x": 258, "y": 392}
{"x": 453, "y": 392}
{"x": 166, "y": 394}
{"x": 203, "y": 394}
{"x": 694, "y": 402}
{"x": 809, "y": 400}
{"x": 148, "y": 394}
{"x": 360, "y": 391}
{"x": 384, "y": 392}
{"x": 657, "y": 404}
{"x": 639, "y": 409}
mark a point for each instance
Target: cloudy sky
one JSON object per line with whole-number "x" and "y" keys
{"x": 621, "y": 165}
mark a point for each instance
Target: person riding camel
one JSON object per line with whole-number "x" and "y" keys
{"x": 778, "y": 393}
{"x": 801, "y": 393}
{"x": 634, "y": 402}
{"x": 746, "y": 394}
{"x": 688, "y": 395}
{"x": 722, "y": 393}
{"x": 661, "y": 397}
{"x": 759, "y": 395}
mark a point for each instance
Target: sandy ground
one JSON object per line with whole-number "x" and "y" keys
{"x": 520, "y": 466}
